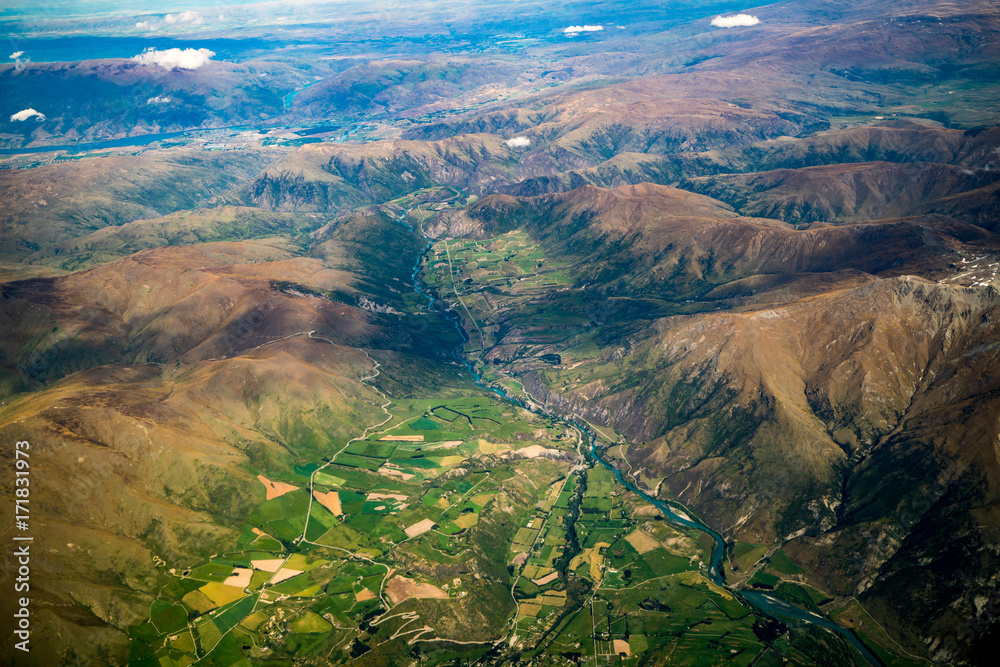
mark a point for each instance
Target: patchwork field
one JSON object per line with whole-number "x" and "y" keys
{"x": 395, "y": 536}
{"x": 383, "y": 523}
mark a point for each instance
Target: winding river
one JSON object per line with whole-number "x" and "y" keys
{"x": 768, "y": 604}
{"x": 290, "y": 97}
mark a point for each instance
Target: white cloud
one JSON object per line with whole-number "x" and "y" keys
{"x": 159, "y": 100}
{"x": 142, "y": 25}
{"x": 19, "y": 63}
{"x": 192, "y": 17}
{"x": 175, "y": 58}
{"x": 25, "y": 114}
{"x": 519, "y": 142}
{"x": 735, "y": 21}
{"x": 577, "y": 29}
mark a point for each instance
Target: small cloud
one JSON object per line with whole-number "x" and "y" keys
{"x": 192, "y": 17}
{"x": 175, "y": 58}
{"x": 159, "y": 100}
{"x": 142, "y": 25}
{"x": 25, "y": 114}
{"x": 19, "y": 63}
{"x": 519, "y": 142}
{"x": 735, "y": 21}
{"x": 577, "y": 29}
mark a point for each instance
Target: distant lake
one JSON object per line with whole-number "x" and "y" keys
{"x": 140, "y": 140}
{"x": 48, "y": 9}
{"x": 71, "y": 49}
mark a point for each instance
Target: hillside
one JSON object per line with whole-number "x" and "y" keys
{"x": 502, "y": 334}
{"x": 782, "y": 422}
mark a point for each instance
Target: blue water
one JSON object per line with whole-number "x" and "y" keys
{"x": 291, "y": 96}
{"x": 84, "y": 47}
{"x": 69, "y": 8}
{"x": 95, "y": 145}
{"x": 718, "y": 549}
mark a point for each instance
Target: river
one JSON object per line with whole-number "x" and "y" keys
{"x": 290, "y": 97}
{"x": 768, "y": 604}
{"x": 141, "y": 140}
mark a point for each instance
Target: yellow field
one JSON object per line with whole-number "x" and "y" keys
{"x": 641, "y": 541}
{"x": 487, "y": 447}
{"x": 592, "y": 556}
{"x": 268, "y": 564}
{"x": 553, "y": 601}
{"x": 549, "y": 599}
{"x": 530, "y": 609}
{"x": 419, "y": 528}
{"x": 482, "y": 499}
{"x": 276, "y": 489}
{"x": 283, "y": 574}
{"x": 330, "y": 500}
{"x": 252, "y": 621}
{"x": 547, "y": 579}
{"x": 221, "y": 594}
{"x": 402, "y": 588}
{"x": 446, "y": 461}
{"x": 240, "y": 577}
{"x": 198, "y": 601}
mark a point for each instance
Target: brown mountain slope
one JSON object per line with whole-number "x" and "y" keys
{"x": 170, "y": 304}
{"x": 979, "y": 207}
{"x": 654, "y": 114}
{"x": 51, "y": 204}
{"x": 894, "y": 140}
{"x": 823, "y": 422}
{"x": 186, "y": 227}
{"x": 390, "y": 86}
{"x": 325, "y": 177}
{"x": 145, "y": 463}
{"x": 861, "y": 191}
{"x": 656, "y": 240}
{"x": 859, "y": 424}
